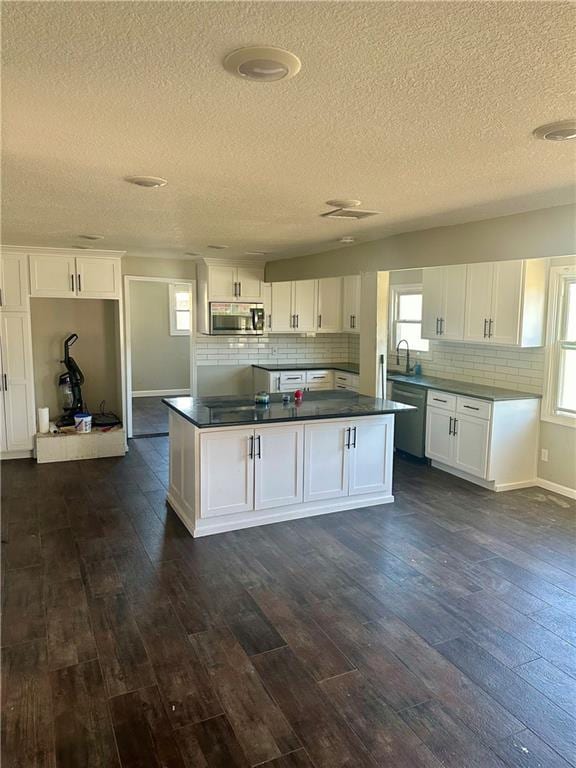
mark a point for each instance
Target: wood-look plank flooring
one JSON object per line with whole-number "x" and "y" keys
{"x": 436, "y": 631}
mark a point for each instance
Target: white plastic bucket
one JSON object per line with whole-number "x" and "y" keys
{"x": 83, "y": 422}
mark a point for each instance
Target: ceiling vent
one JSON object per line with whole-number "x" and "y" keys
{"x": 349, "y": 213}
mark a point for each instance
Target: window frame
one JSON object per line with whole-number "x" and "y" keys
{"x": 560, "y": 277}
{"x": 173, "y": 288}
{"x": 394, "y": 299}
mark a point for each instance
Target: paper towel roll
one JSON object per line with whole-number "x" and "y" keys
{"x": 43, "y": 420}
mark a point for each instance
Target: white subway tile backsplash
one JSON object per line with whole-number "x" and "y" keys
{"x": 520, "y": 369}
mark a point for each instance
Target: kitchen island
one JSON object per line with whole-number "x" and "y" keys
{"x": 234, "y": 464}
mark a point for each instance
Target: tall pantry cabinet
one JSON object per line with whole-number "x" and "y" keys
{"x": 17, "y": 418}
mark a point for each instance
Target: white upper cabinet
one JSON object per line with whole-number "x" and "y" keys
{"x": 351, "y": 304}
{"x": 52, "y": 276}
{"x": 228, "y": 281}
{"x": 294, "y": 306}
{"x": 329, "y": 305}
{"x": 304, "y": 305}
{"x": 443, "y": 302}
{"x": 98, "y": 278}
{"x": 85, "y": 277}
{"x": 14, "y": 284}
{"x": 506, "y": 303}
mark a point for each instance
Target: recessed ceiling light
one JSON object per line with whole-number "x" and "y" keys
{"x": 219, "y": 247}
{"x": 347, "y": 240}
{"x": 91, "y": 237}
{"x": 191, "y": 253}
{"x": 152, "y": 182}
{"x": 565, "y": 130}
{"x": 262, "y": 64}
{"x": 343, "y": 203}
{"x": 254, "y": 253}
{"x": 83, "y": 247}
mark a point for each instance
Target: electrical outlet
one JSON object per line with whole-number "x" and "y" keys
{"x": 274, "y": 351}
{"x": 544, "y": 454}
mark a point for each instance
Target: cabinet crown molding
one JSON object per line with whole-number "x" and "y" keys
{"x": 233, "y": 262}
{"x": 76, "y": 252}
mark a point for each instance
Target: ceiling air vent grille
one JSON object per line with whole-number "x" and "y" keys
{"x": 348, "y": 213}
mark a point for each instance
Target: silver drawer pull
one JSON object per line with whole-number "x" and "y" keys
{"x": 471, "y": 407}
{"x": 439, "y": 400}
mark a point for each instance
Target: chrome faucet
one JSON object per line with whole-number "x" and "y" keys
{"x": 408, "y": 368}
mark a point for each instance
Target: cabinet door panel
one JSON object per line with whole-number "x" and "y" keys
{"x": 98, "y": 278}
{"x": 250, "y": 280}
{"x": 227, "y": 473}
{"x": 278, "y": 467}
{"x": 52, "y": 276}
{"x": 471, "y": 445}
{"x": 454, "y": 303}
{"x": 371, "y": 457}
{"x": 506, "y": 300}
{"x": 432, "y": 301}
{"x": 351, "y": 304}
{"x": 282, "y": 307}
{"x": 439, "y": 443}
{"x": 330, "y": 304}
{"x": 325, "y": 461}
{"x": 14, "y": 282}
{"x": 221, "y": 280}
{"x": 479, "y": 279}
{"x": 304, "y": 304}
{"x": 20, "y": 420}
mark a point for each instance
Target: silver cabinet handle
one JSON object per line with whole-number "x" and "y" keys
{"x": 471, "y": 407}
{"x": 297, "y": 321}
{"x": 485, "y": 328}
{"x": 354, "y": 443}
{"x": 72, "y": 279}
{"x": 278, "y": 383}
{"x": 0, "y": 297}
{"x": 319, "y": 321}
{"x": 439, "y": 400}
{"x": 250, "y": 447}
{"x": 454, "y": 427}
{"x": 490, "y": 322}
{"x": 239, "y": 289}
{"x": 348, "y": 430}
{"x": 5, "y": 382}
{"x": 269, "y": 321}
{"x": 450, "y": 426}
{"x": 259, "y": 454}
{"x": 79, "y": 284}
{"x": 441, "y": 326}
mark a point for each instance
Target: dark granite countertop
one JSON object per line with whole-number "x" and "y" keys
{"x": 233, "y": 411}
{"x": 346, "y": 367}
{"x": 481, "y": 391}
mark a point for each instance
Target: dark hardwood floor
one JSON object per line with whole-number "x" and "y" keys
{"x": 149, "y": 417}
{"x": 437, "y": 631}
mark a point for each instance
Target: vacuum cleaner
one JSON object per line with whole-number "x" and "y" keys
{"x": 70, "y": 388}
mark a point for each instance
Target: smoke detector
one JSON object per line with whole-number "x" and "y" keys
{"x": 349, "y": 213}
{"x": 91, "y": 237}
{"x": 151, "y": 182}
{"x": 343, "y": 203}
{"x": 262, "y": 64}
{"x": 219, "y": 247}
{"x": 564, "y": 130}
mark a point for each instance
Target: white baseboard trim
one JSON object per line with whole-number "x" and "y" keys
{"x": 160, "y": 392}
{"x": 563, "y": 490}
{"x": 208, "y": 527}
{"x": 9, "y": 455}
{"x": 490, "y": 485}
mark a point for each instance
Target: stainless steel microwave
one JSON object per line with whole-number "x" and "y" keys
{"x": 231, "y": 318}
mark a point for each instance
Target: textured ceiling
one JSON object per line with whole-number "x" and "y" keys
{"x": 423, "y": 111}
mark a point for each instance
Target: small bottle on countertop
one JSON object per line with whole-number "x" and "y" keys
{"x": 298, "y": 395}
{"x": 418, "y": 369}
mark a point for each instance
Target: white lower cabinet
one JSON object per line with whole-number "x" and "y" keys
{"x": 229, "y": 478}
{"x": 491, "y": 443}
{"x": 455, "y": 438}
{"x": 326, "y": 461}
{"x": 278, "y": 475}
{"x": 227, "y": 472}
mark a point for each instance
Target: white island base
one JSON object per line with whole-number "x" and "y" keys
{"x": 227, "y": 478}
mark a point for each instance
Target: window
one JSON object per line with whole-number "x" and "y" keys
{"x": 180, "y": 306}
{"x": 406, "y": 317}
{"x": 560, "y": 394}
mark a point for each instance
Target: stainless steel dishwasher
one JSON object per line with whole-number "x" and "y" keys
{"x": 410, "y": 428}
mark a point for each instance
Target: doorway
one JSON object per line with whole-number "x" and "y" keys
{"x": 160, "y": 354}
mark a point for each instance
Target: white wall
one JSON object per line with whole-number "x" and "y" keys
{"x": 159, "y": 361}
